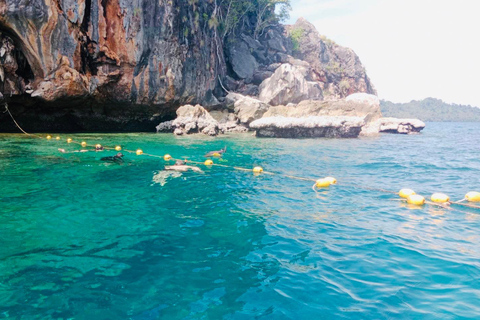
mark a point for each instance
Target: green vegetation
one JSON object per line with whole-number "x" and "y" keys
{"x": 334, "y": 67}
{"x": 258, "y": 15}
{"x": 344, "y": 86}
{"x": 328, "y": 41}
{"x": 431, "y": 109}
{"x": 296, "y": 36}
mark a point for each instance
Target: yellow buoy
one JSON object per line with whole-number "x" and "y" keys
{"x": 208, "y": 162}
{"x": 440, "y": 198}
{"x": 167, "y": 157}
{"x": 57, "y": 138}
{"x": 332, "y": 180}
{"x": 216, "y": 154}
{"x": 83, "y": 144}
{"x": 323, "y": 183}
{"x": 49, "y": 137}
{"x": 416, "y": 199}
{"x": 98, "y": 146}
{"x": 473, "y": 196}
{"x": 118, "y": 148}
{"x": 258, "y": 170}
{"x": 139, "y": 152}
{"x": 69, "y": 140}
{"x": 404, "y": 193}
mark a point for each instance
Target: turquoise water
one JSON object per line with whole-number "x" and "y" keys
{"x": 84, "y": 239}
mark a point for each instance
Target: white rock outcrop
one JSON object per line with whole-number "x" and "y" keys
{"x": 191, "y": 119}
{"x": 402, "y": 126}
{"x": 248, "y": 109}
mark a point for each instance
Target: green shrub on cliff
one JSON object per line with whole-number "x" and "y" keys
{"x": 296, "y": 36}
{"x": 255, "y": 15}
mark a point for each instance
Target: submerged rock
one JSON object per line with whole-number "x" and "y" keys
{"x": 308, "y": 127}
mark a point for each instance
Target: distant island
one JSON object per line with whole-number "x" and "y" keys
{"x": 431, "y": 109}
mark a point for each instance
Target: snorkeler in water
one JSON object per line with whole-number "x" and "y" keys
{"x": 217, "y": 153}
{"x": 118, "y": 158}
{"x": 181, "y": 166}
{"x": 64, "y": 151}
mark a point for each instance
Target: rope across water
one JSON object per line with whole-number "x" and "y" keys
{"x": 318, "y": 183}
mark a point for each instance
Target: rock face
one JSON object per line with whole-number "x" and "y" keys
{"x": 120, "y": 63}
{"x": 289, "y": 84}
{"x": 308, "y": 127}
{"x": 337, "y": 68}
{"x": 191, "y": 119}
{"x": 248, "y": 109}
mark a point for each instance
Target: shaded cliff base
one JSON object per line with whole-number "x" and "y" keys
{"x": 80, "y": 115}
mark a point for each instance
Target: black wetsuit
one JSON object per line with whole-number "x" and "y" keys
{"x": 116, "y": 159}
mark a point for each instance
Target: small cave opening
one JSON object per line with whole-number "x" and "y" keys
{"x": 16, "y": 73}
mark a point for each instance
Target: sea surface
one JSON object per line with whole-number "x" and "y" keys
{"x": 86, "y": 239}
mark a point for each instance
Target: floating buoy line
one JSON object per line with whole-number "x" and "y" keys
{"x": 407, "y": 195}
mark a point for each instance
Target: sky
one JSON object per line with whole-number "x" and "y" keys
{"x": 411, "y": 49}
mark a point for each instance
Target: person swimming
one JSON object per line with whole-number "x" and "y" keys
{"x": 217, "y": 153}
{"x": 181, "y": 166}
{"x": 118, "y": 158}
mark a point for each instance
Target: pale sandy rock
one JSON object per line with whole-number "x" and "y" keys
{"x": 289, "y": 84}
{"x": 191, "y": 119}
{"x": 249, "y": 109}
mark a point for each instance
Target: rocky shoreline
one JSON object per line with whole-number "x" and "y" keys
{"x": 105, "y": 66}
{"x": 357, "y": 115}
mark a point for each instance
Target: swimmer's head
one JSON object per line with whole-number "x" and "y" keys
{"x": 119, "y": 155}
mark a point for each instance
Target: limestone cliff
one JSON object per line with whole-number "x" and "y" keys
{"x": 126, "y": 65}
{"x": 106, "y": 64}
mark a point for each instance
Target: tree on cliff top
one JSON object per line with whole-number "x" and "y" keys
{"x": 256, "y": 15}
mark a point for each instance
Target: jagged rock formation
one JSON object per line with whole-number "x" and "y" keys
{"x": 337, "y": 68}
{"x": 118, "y": 65}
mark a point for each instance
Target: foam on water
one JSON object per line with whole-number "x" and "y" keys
{"x": 84, "y": 239}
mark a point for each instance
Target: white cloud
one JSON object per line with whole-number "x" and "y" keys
{"x": 411, "y": 49}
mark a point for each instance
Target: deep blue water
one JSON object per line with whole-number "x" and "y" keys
{"x": 83, "y": 239}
